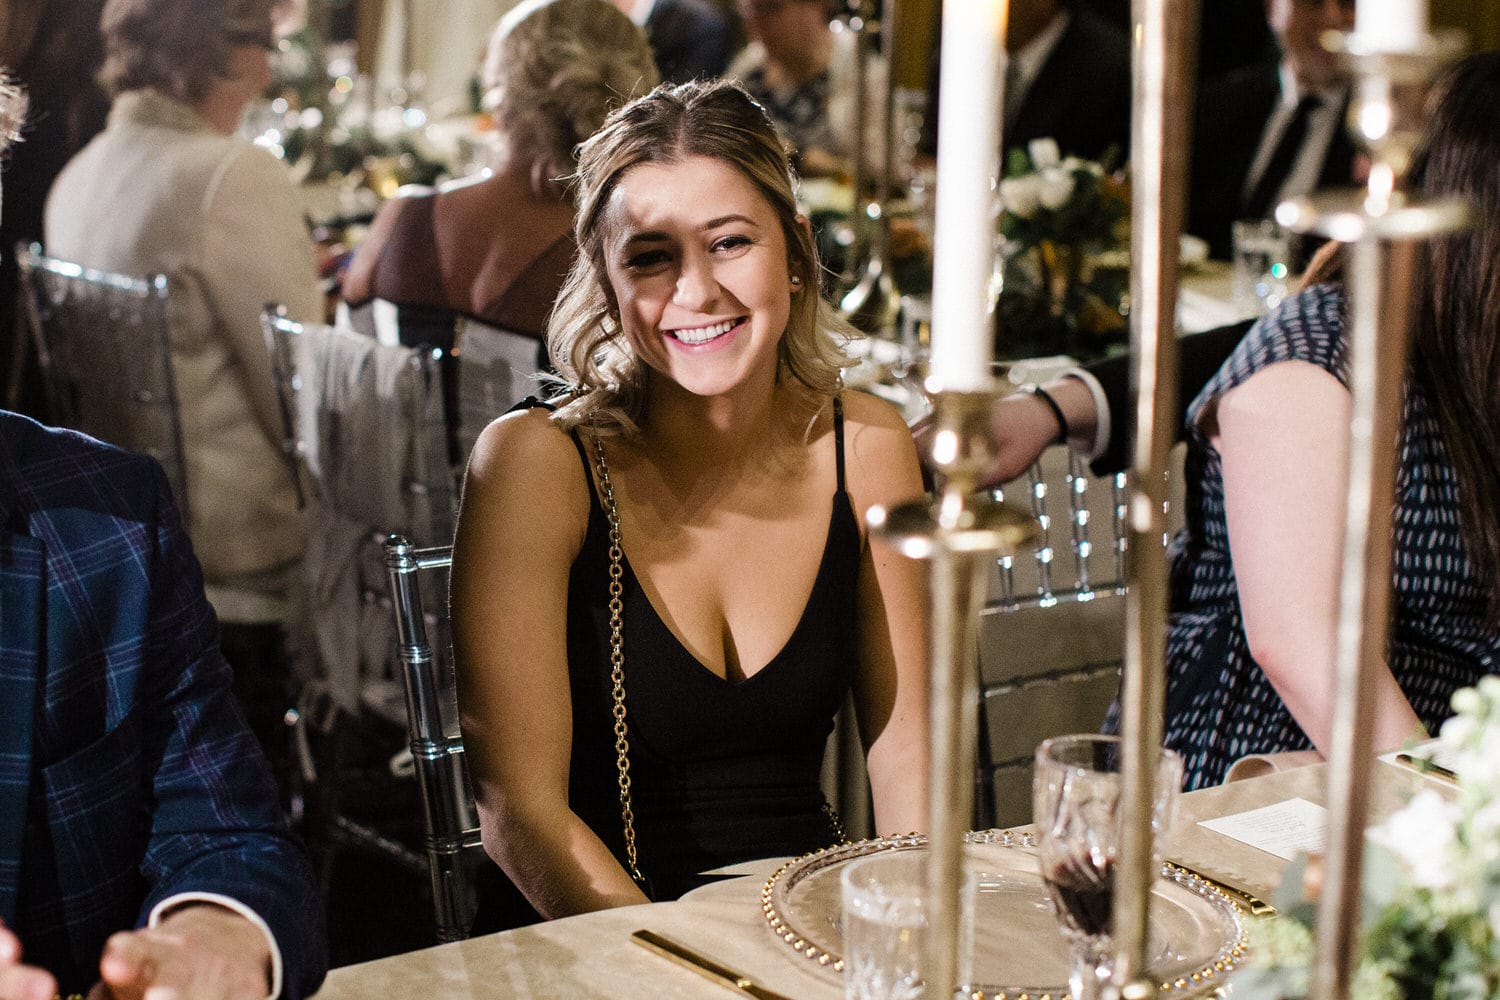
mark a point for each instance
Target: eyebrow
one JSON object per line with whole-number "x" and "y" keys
{"x": 656, "y": 235}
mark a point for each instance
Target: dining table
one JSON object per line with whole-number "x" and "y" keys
{"x": 593, "y": 954}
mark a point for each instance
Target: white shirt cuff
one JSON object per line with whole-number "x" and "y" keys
{"x": 1091, "y": 450}
{"x": 172, "y": 902}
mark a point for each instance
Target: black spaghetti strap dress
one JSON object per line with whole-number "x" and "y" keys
{"x": 721, "y": 771}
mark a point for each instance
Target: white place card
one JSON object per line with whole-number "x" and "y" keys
{"x": 1284, "y": 829}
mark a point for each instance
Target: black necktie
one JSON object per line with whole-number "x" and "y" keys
{"x": 1258, "y": 202}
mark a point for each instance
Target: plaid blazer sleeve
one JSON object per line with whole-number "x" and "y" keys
{"x": 146, "y": 782}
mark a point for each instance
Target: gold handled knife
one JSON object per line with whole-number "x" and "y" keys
{"x": 680, "y": 954}
{"x": 1251, "y": 902}
{"x": 1424, "y": 766}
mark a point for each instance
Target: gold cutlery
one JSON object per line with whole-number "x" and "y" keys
{"x": 680, "y": 954}
{"x": 1424, "y": 766}
{"x": 1251, "y": 902}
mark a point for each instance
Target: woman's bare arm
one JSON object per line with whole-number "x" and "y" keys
{"x": 523, "y": 519}
{"x": 890, "y": 692}
{"x": 1283, "y": 437}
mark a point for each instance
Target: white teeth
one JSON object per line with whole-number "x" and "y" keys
{"x": 703, "y": 334}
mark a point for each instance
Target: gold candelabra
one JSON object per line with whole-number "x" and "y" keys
{"x": 956, "y": 533}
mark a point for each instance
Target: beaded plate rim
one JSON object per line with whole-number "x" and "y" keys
{"x": 1229, "y": 956}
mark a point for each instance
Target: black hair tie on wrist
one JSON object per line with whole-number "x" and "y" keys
{"x": 1046, "y": 397}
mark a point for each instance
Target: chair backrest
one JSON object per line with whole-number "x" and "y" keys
{"x": 105, "y": 353}
{"x": 364, "y": 431}
{"x": 496, "y": 370}
{"x": 449, "y": 819}
{"x": 1079, "y": 559}
{"x": 1051, "y": 639}
{"x": 491, "y": 368}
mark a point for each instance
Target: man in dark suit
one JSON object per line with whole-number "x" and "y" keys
{"x": 689, "y": 38}
{"x": 131, "y": 793}
{"x": 1273, "y": 130}
{"x": 1067, "y": 78}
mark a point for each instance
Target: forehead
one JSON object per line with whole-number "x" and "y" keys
{"x": 680, "y": 194}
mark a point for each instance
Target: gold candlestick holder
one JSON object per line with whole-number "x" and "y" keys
{"x": 956, "y": 533}
{"x": 1383, "y": 226}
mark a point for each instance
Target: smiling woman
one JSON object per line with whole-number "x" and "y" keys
{"x": 700, "y": 271}
{"x": 693, "y": 602}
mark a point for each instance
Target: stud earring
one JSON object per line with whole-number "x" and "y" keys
{"x": 796, "y": 280}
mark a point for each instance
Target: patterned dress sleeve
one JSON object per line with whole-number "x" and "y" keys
{"x": 1306, "y": 327}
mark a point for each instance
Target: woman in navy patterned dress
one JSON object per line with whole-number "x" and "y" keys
{"x": 1254, "y": 574}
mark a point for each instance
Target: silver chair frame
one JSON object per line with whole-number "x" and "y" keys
{"x": 1088, "y": 583}
{"x": 432, "y": 482}
{"x": 60, "y": 378}
{"x": 448, "y": 815}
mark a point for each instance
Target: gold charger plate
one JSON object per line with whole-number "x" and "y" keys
{"x": 1197, "y": 932}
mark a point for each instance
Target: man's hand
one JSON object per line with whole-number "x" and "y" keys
{"x": 17, "y": 981}
{"x": 198, "y": 952}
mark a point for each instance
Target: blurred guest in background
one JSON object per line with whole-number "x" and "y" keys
{"x": 1251, "y": 641}
{"x": 1254, "y": 594}
{"x": 801, "y": 67}
{"x": 690, "y": 39}
{"x": 54, "y": 51}
{"x": 1067, "y": 78}
{"x": 1272, "y": 130}
{"x": 166, "y": 189}
{"x": 703, "y": 432}
{"x": 1231, "y": 33}
{"x": 140, "y": 842}
{"x": 498, "y": 246}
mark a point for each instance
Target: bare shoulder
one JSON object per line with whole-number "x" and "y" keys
{"x": 880, "y": 453}
{"x": 864, "y": 410}
{"x": 525, "y": 440}
{"x": 525, "y": 460}
{"x": 875, "y": 432}
{"x": 1295, "y": 394}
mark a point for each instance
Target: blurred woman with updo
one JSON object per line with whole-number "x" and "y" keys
{"x": 496, "y": 247}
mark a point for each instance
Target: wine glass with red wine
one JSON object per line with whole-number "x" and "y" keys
{"x": 1076, "y": 799}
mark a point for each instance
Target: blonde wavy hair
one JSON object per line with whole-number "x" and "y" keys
{"x": 552, "y": 72}
{"x": 604, "y": 382}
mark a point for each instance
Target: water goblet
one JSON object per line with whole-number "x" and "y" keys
{"x": 885, "y": 926}
{"x": 1076, "y": 800}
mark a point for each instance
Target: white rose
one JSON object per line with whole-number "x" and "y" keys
{"x": 1044, "y": 153}
{"x": 1055, "y": 188}
{"x": 1021, "y": 196}
{"x": 1421, "y": 835}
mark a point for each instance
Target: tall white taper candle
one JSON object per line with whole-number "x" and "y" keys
{"x": 1391, "y": 25}
{"x": 969, "y": 111}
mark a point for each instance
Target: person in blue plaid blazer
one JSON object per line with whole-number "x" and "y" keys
{"x": 132, "y": 795}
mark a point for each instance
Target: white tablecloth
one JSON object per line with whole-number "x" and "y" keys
{"x": 592, "y": 955}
